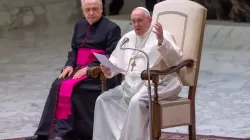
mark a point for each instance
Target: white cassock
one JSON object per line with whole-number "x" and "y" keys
{"x": 122, "y": 113}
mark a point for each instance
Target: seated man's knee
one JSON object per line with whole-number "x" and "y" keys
{"x": 135, "y": 100}
{"x": 104, "y": 96}
{"x": 56, "y": 83}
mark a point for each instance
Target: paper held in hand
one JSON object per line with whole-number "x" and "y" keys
{"x": 105, "y": 61}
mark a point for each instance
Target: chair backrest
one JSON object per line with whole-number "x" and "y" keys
{"x": 186, "y": 21}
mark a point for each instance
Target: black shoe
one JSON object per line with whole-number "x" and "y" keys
{"x": 35, "y": 137}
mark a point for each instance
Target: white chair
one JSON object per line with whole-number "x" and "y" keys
{"x": 186, "y": 21}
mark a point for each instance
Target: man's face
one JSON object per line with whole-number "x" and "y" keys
{"x": 92, "y": 10}
{"x": 140, "y": 22}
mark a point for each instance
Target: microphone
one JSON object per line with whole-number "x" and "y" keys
{"x": 126, "y": 40}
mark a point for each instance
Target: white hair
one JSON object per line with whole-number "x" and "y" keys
{"x": 100, "y": 1}
{"x": 147, "y": 13}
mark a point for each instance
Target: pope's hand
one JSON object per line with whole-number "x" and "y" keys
{"x": 159, "y": 32}
{"x": 105, "y": 70}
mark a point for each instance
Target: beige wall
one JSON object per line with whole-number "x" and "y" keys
{"x": 29, "y": 13}
{"x": 19, "y": 14}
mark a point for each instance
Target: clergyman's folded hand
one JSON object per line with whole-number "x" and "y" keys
{"x": 67, "y": 70}
{"x": 80, "y": 73}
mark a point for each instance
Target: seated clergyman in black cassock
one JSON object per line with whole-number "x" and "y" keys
{"x": 70, "y": 104}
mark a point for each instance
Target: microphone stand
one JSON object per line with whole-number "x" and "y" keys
{"x": 149, "y": 86}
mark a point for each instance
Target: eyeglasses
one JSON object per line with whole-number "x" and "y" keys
{"x": 139, "y": 21}
{"x": 87, "y": 10}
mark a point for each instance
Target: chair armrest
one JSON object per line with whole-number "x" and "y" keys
{"x": 94, "y": 72}
{"x": 153, "y": 73}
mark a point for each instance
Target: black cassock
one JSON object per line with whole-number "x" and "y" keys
{"x": 104, "y": 35}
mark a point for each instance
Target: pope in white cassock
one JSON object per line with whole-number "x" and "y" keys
{"x": 122, "y": 113}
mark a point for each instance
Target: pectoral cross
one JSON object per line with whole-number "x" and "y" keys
{"x": 133, "y": 65}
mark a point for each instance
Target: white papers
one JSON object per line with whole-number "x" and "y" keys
{"x": 105, "y": 61}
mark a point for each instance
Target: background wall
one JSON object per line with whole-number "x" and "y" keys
{"x": 23, "y": 14}
{"x": 16, "y": 14}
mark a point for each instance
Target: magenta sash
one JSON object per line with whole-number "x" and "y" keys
{"x": 63, "y": 108}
